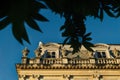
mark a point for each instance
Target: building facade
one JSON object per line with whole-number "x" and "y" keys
{"x": 53, "y": 61}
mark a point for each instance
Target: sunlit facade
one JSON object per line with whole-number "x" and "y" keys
{"x": 53, "y": 61}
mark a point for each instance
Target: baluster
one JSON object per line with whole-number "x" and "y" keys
{"x": 43, "y": 61}
{"x": 84, "y": 61}
{"x": 98, "y": 61}
{"x": 103, "y": 61}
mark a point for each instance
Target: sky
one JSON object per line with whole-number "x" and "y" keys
{"x": 10, "y": 49}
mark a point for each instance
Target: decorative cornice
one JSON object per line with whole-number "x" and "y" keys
{"x": 40, "y": 66}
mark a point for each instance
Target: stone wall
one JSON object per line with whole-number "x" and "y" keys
{"x": 70, "y": 66}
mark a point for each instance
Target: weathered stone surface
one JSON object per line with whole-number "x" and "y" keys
{"x": 52, "y": 61}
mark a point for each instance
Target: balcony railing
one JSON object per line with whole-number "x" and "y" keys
{"x": 75, "y": 61}
{"x": 64, "y": 63}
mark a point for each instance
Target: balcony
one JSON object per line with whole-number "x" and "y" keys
{"x": 64, "y": 63}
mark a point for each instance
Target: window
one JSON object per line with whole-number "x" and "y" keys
{"x": 101, "y": 54}
{"x": 48, "y": 55}
{"x": 53, "y": 55}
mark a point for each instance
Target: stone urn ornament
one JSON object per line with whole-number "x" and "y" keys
{"x": 38, "y": 52}
{"x": 25, "y": 52}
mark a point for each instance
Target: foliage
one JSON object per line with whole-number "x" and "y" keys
{"x": 74, "y": 12}
{"x": 17, "y": 12}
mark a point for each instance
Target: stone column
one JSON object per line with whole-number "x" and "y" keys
{"x": 107, "y": 53}
{"x": 57, "y": 54}
{"x": 118, "y": 60}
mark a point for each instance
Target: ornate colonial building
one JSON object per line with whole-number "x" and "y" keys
{"x": 53, "y": 61}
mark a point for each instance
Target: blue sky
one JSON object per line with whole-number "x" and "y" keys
{"x": 10, "y": 49}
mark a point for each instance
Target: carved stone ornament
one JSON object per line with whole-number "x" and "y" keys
{"x": 25, "y": 52}
{"x": 38, "y": 52}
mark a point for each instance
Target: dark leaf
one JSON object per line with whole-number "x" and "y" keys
{"x": 39, "y": 17}
{"x": 66, "y": 40}
{"x": 88, "y": 45}
{"x": 24, "y": 34}
{"x": 40, "y": 5}
{"x": 4, "y": 23}
{"x": 87, "y": 35}
{"x": 2, "y": 14}
{"x": 118, "y": 14}
{"x": 33, "y": 24}
{"x": 108, "y": 11}
{"x": 4, "y": 8}
{"x": 75, "y": 44}
{"x": 88, "y": 39}
{"x": 76, "y": 48}
{"x": 55, "y": 6}
{"x": 88, "y": 48}
{"x": 65, "y": 33}
{"x": 82, "y": 29}
{"x": 101, "y": 14}
{"x": 62, "y": 27}
{"x": 35, "y": 6}
{"x": 19, "y": 31}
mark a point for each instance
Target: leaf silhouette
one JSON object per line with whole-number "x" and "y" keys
{"x": 33, "y": 24}
{"x": 4, "y": 23}
{"x": 39, "y": 17}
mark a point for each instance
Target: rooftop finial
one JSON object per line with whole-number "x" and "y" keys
{"x": 25, "y": 52}
{"x": 40, "y": 43}
{"x": 38, "y": 52}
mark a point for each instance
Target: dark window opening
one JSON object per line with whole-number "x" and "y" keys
{"x": 103, "y": 55}
{"x": 99, "y": 55}
{"x": 53, "y": 55}
{"x": 48, "y": 55}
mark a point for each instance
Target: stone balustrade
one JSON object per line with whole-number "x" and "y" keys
{"x": 65, "y": 63}
{"x": 72, "y": 61}
{"x": 79, "y": 61}
{"x": 51, "y": 61}
{"x": 107, "y": 61}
